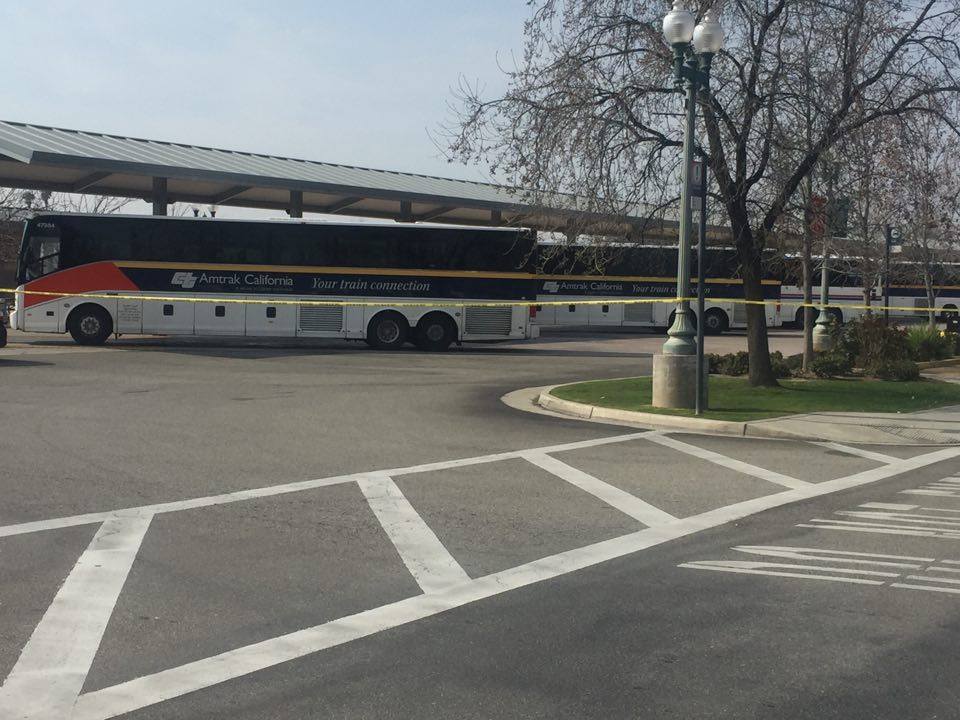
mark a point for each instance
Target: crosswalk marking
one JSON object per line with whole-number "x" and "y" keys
{"x": 727, "y": 462}
{"x": 898, "y": 571}
{"x": 431, "y": 565}
{"x": 615, "y": 497}
{"x": 859, "y": 452}
{"x": 51, "y": 670}
{"x": 437, "y": 572}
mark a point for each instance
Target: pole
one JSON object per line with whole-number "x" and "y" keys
{"x": 821, "y": 332}
{"x": 681, "y": 333}
{"x": 888, "y": 239}
{"x": 701, "y": 273}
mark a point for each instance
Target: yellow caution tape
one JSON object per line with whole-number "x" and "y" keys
{"x": 455, "y": 304}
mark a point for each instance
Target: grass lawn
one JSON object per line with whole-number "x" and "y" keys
{"x": 732, "y": 399}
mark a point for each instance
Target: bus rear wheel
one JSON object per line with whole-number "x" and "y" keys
{"x": 435, "y": 332}
{"x": 90, "y": 325}
{"x": 387, "y": 331}
{"x": 715, "y": 322}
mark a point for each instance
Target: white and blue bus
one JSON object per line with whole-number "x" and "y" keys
{"x": 569, "y": 275}
{"x": 428, "y": 285}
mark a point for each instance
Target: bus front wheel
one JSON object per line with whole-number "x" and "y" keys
{"x": 90, "y": 325}
{"x": 435, "y": 332}
{"x": 387, "y": 331}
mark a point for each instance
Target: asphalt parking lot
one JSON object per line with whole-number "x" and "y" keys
{"x": 236, "y": 530}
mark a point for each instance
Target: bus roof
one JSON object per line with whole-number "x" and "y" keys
{"x": 287, "y": 221}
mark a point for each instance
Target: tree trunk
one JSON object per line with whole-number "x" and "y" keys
{"x": 807, "y": 297}
{"x": 758, "y": 345}
{"x": 931, "y": 304}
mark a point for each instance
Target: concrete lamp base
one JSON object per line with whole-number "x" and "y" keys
{"x": 675, "y": 381}
{"x": 822, "y": 339}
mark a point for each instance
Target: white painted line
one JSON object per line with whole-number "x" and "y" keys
{"x": 915, "y": 518}
{"x": 933, "y": 578}
{"x": 884, "y": 531}
{"x": 167, "y": 684}
{"x": 893, "y": 525}
{"x": 796, "y": 553}
{"x": 860, "y": 452}
{"x": 888, "y": 506}
{"x": 727, "y": 462}
{"x": 300, "y": 486}
{"x": 936, "y": 493}
{"x": 718, "y": 566}
{"x": 615, "y": 497}
{"x": 421, "y": 551}
{"x": 54, "y": 664}
{"x": 931, "y": 588}
{"x": 757, "y": 565}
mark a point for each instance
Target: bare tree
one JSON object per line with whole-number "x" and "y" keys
{"x": 17, "y": 204}
{"x": 584, "y": 114}
{"x": 927, "y": 173}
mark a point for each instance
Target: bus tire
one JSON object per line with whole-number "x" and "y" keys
{"x": 90, "y": 324}
{"x": 946, "y": 314}
{"x": 435, "y": 332}
{"x": 836, "y": 315}
{"x": 799, "y": 316}
{"x": 3, "y": 334}
{"x": 387, "y": 330}
{"x": 715, "y": 322}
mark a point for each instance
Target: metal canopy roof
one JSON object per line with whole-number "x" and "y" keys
{"x": 46, "y": 158}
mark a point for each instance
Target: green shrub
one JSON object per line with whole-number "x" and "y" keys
{"x": 737, "y": 364}
{"x": 734, "y": 364}
{"x": 794, "y": 362}
{"x": 927, "y": 344}
{"x": 714, "y": 360}
{"x": 868, "y": 342}
{"x": 782, "y": 367}
{"x": 831, "y": 364}
{"x": 897, "y": 370}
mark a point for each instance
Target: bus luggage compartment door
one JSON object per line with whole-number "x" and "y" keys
{"x": 573, "y": 314}
{"x": 265, "y": 320}
{"x": 220, "y": 318}
{"x": 605, "y": 314}
{"x": 168, "y": 318}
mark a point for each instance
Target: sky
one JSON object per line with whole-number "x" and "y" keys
{"x": 358, "y": 83}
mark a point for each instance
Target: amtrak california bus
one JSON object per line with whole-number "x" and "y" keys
{"x": 234, "y": 277}
{"x": 570, "y": 275}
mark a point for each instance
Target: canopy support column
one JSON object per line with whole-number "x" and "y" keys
{"x": 296, "y": 204}
{"x": 160, "y": 198}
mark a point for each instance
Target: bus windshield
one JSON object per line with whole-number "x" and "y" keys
{"x": 40, "y": 256}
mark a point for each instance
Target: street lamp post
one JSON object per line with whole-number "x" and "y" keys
{"x": 694, "y": 46}
{"x": 822, "y": 340}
